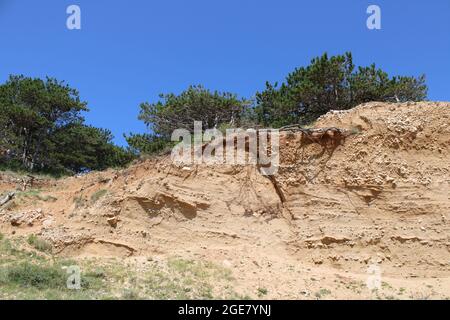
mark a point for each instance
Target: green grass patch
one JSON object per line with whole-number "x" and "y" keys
{"x": 262, "y": 292}
{"x": 97, "y": 195}
{"x": 39, "y": 244}
{"x": 322, "y": 292}
{"x": 35, "y": 194}
{"x": 79, "y": 201}
{"x": 27, "y": 274}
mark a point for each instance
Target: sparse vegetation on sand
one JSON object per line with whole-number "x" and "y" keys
{"x": 26, "y": 274}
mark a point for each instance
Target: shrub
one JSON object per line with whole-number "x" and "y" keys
{"x": 39, "y": 244}
{"x": 32, "y": 275}
{"x": 97, "y": 195}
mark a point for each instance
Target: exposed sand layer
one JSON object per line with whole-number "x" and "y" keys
{"x": 378, "y": 199}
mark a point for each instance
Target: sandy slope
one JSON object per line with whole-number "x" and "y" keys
{"x": 380, "y": 199}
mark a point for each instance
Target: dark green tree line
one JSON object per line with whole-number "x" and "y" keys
{"x": 214, "y": 109}
{"x": 332, "y": 84}
{"x": 327, "y": 83}
{"x": 42, "y": 129}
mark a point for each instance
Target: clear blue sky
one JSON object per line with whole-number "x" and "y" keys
{"x": 128, "y": 52}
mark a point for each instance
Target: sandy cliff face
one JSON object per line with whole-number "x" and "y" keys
{"x": 380, "y": 198}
